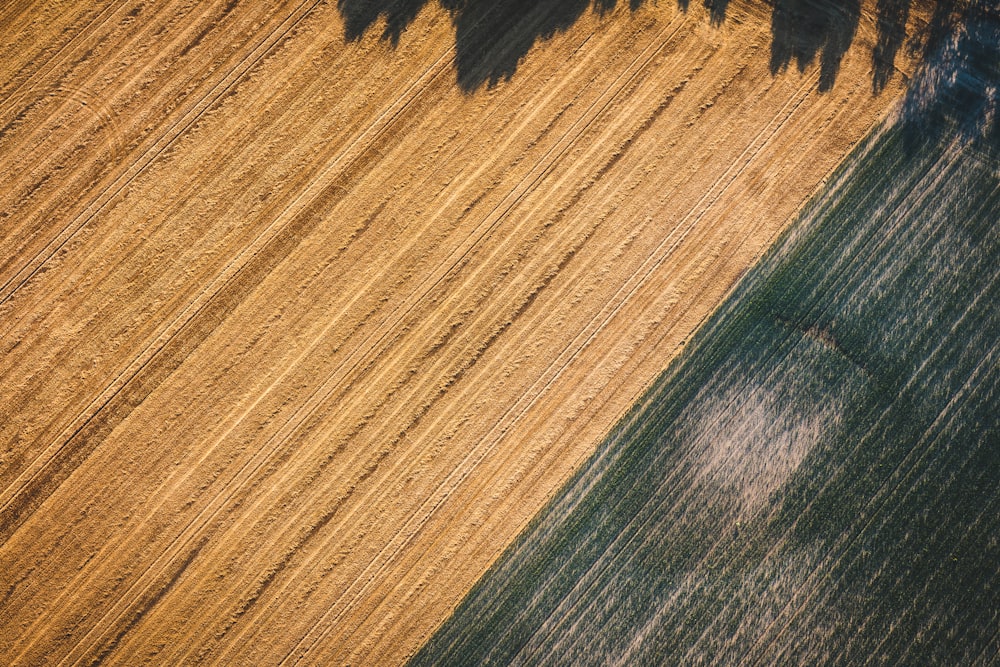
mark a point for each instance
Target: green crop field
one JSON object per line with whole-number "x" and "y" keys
{"x": 817, "y": 478}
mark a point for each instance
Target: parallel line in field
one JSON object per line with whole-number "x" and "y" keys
{"x": 15, "y": 96}
{"x": 454, "y": 375}
{"x": 662, "y": 252}
{"x": 80, "y": 86}
{"x": 717, "y": 260}
{"x": 707, "y": 631}
{"x": 855, "y": 255}
{"x": 321, "y": 399}
{"x": 439, "y": 71}
{"x": 596, "y": 576}
{"x": 971, "y": 528}
{"x": 38, "y": 88}
{"x": 991, "y": 647}
{"x": 878, "y": 505}
{"x": 576, "y": 352}
{"x": 678, "y": 501}
{"x": 862, "y": 251}
{"x": 371, "y": 469}
{"x": 265, "y": 240}
{"x": 814, "y": 584}
{"x": 167, "y": 334}
{"x": 141, "y": 603}
{"x": 418, "y": 301}
{"x": 184, "y": 121}
{"x": 617, "y": 546}
{"x": 37, "y": 135}
{"x": 559, "y": 372}
{"x": 10, "y": 516}
{"x": 789, "y": 337}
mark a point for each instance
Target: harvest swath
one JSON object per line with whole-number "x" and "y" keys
{"x": 297, "y": 332}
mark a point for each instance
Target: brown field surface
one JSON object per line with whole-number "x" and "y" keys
{"x": 297, "y": 333}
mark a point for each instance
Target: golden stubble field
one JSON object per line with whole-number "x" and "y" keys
{"x": 296, "y": 335}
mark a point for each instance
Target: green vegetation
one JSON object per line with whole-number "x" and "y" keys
{"x": 817, "y": 479}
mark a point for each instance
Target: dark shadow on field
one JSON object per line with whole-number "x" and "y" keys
{"x": 492, "y": 37}
{"x": 359, "y": 15}
{"x": 716, "y": 10}
{"x": 801, "y": 29}
{"x": 891, "y": 27}
{"x": 958, "y": 85}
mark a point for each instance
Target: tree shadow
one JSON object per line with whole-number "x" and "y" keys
{"x": 716, "y": 10}
{"x": 492, "y": 37}
{"x": 360, "y": 15}
{"x": 891, "y": 30}
{"x": 801, "y": 29}
{"x": 957, "y": 86}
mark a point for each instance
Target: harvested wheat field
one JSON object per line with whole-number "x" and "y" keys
{"x": 307, "y": 308}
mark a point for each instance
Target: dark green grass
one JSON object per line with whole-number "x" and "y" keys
{"x": 817, "y": 479}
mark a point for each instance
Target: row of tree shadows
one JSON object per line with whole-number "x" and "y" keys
{"x": 493, "y": 36}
